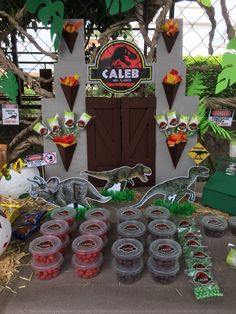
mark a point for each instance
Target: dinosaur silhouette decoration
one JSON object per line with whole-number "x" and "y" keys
{"x": 68, "y": 191}
{"x": 123, "y": 175}
{"x": 199, "y": 153}
{"x": 121, "y": 56}
{"x": 175, "y": 189}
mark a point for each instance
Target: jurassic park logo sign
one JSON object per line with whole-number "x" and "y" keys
{"x": 120, "y": 67}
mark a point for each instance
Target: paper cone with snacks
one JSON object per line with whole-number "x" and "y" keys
{"x": 64, "y": 135}
{"x": 171, "y": 82}
{"x": 177, "y": 129}
{"x": 70, "y": 33}
{"x": 170, "y": 32}
{"x": 70, "y": 86}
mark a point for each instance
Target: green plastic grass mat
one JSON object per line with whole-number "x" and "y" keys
{"x": 120, "y": 196}
{"x": 184, "y": 208}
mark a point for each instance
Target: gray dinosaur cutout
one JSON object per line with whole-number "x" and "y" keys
{"x": 123, "y": 175}
{"x": 175, "y": 189}
{"x": 62, "y": 193}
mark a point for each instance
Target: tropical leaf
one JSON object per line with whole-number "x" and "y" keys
{"x": 9, "y": 85}
{"x": 232, "y": 43}
{"x": 197, "y": 87}
{"x": 207, "y": 3}
{"x": 117, "y": 6}
{"x": 49, "y": 12}
{"x": 219, "y": 131}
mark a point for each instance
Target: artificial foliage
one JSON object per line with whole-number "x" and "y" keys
{"x": 117, "y": 6}
{"x": 227, "y": 76}
{"x": 9, "y": 85}
{"x": 197, "y": 87}
{"x": 206, "y": 3}
{"x": 120, "y": 196}
{"x": 183, "y": 208}
{"x": 49, "y": 12}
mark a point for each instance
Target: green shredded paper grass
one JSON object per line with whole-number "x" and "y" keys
{"x": 120, "y": 196}
{"x": 184, "y": 208}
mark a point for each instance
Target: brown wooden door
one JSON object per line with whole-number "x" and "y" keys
{"x": 121, "y": 133}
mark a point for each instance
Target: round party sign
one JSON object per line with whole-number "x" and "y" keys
{"x": 120, "y": 67}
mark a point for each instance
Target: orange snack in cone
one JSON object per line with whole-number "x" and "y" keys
{"x": 72, "y": 27}
{"x": 172, "y": 77}
{"x": 71, "y": 80}
{"x": 65, "y": 140}
{"x": 171, "y": 27}
{"x": 176, "y": 138}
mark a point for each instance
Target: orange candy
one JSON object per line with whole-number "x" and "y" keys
{"x": 176, "y": 138}
{"x": 171, "y": 27}
{"x": 72, "y": 28}
{"x": 70, "y": 80}
{"x": 172, "y": 77}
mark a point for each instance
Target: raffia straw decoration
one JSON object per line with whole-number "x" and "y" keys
{"x": 202, "y": 210}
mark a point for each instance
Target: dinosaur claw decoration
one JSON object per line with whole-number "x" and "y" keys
{"x": 123, "y": 175}
{"x": 175, "y": 189}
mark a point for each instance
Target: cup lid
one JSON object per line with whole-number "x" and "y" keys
{"x": 162, "y": 227}
{"x": 165, "y": 249}
{"x": 87, "y": 243}
{"x": 57, "y": 263}
{"x": 54, "y": 227}
{"x": 45, "y": 245}
{"x": 131, "y": 228}
{"x": 232, "y": 221}
{"x": 93, "y": 226}
{"x": 214, "y": 222}
{"x": 157, "y": 212}
{"x": 127, "y": 248}
{"x": 97, "y": 213}
{"x": 128, "y": 213}
{"x": 63, "y": 213}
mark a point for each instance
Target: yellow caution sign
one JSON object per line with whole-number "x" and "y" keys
{"x": 198, "y": 153}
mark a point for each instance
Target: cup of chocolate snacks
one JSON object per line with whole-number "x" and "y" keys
{"x": 127, "y": 252}
{"x": 161, "y": 229}
{"x": 156, "y": 212}
{"x": 128, "y": 275}
{"x": 165, "y": 253}
{"x": 232, "y": 225}
{"x": 214, "y": 226}
{"x": 162, "y": 275}
{"x": 126, "y": 213}
{"x": 132, "y": 229}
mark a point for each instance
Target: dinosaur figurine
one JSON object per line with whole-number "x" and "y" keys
{"x": 121, "y": 175}
{"x": 175, "y": 189}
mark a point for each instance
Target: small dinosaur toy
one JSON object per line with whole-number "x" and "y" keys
{"x": 121, "y": 175}
{"x": 175, "y": 189}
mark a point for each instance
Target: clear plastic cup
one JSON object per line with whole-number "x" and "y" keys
{"x": 64, "y": 213}
{"x": 232, "y": 225}
{"x": 156, "y": 212}
{"x": 128, "y": 213}
{"x": 162, "y": 229}
{"x": 98, "y": 213}
{"x": 85, "y": 270}
{"x": 127, "y": 252}
{"x": 95, "y": 227}
{"x": 128, "y": 275}
{"x": 214, "y": 226}
{"x": 58, "y": 228}
{"x": 47, "y": 272}
{"x": 45, "y": 249}
{"x": 65, "y": 244}
{"x": 87, "y": 248}
{"x": 165, "y": 253}
{"x": 72, "y": 232}
{"x": 160, "y": 275}
{"x": 132, "y": 229}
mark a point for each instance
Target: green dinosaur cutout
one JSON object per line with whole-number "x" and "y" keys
{"x": 117, "y": 6}
{"x": 49, "y": 12}
{"x": 122, "y": 175}
{"x": 227, "y": 76}
{"x": 197, "y": 87}
{"x": 9, "y": 85}
{"x": 175, "y": 189}
{"x": 207, "y": 3}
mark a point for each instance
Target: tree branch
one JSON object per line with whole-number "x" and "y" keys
{"x": 15, "y": 24}
{"x": 225, "y": 13}
{"x": 139, "y": 15}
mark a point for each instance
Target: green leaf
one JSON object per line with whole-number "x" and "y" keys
{"x": 9, "y": 85}
{"x": 232, "y": 43}
{"x": 127, "y": 5}
{"x": 33, "y": 5}
{"x": 197, "y": 87}
{"x": 227, "y": 76}
{"x": 117, "y": 6}
{"x": 219, "y": 131}
{"x": 207, "y": 3}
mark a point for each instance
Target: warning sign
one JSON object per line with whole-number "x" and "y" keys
{"x": 41, "y": 160}
{"x": 198, "y": 153}
{"x": 222, "y": 117}
{"x": 10, "y": 114}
